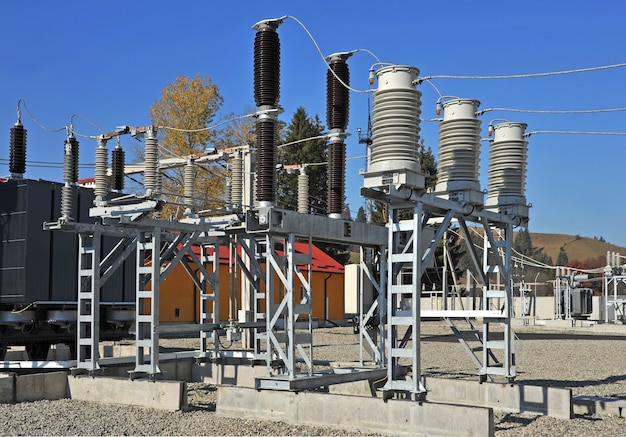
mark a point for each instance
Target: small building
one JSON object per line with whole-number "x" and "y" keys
{"x": 180, "y": 298}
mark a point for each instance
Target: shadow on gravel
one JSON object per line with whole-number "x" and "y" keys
{"x": 435, "y": 373}
{"x": 199, "y": 398}
{"x": 588, "y": 417}
{"x": 531, "y": 336}
{"x": 199, "y": 406}
{"x": 513, "y": 421}
{"x": 575, "y": 384}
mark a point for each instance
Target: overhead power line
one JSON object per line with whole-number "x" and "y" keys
{"x": 525, "y": 75}
{"x": 567, "y": 132}
{"x": 553, "y": 111}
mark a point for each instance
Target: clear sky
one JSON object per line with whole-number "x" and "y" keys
{"x": 109, "y": 60}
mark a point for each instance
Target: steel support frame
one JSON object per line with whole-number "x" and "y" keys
{"x": 618, "y": 305}
{"x": 499, "y": 251}
{"x": 156, "y": 258}
{"x": 147, "y": 291}
{"x": 372, "y": 315}
{"x": 94, "y": 270}
{"x": 208, "y": 284}
{"x": 252, "y": 292}
{"x": 562, "y": 297}
{"x": 404, "y": 354}
{"x": 284, "y": 342}
{"x": 496, "y": 249}
{"x": 286, "y": 348}
{"x": 88, "y": 317}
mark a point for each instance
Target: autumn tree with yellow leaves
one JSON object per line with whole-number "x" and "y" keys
{"x": 183, "y": 115}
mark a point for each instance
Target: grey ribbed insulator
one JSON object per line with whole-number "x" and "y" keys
{"x": 190, "y": 176}
{"x": 70, "y": 160}
{"x": 396, "y": 120}
{"x": 303, "y": 192}
{"x": 507, "y": 167}
{"x": 507, "y": 160}
{"x": 151, "y": 161}
{"x": 459, "y": 146}
{"x": 70, "y": 176}
{"x": 236, "y": 194}
{"x": 68, "y": 167}
{"x": 67, "y": 201}
{"x": 158, "y": 189}
{"x": 102, "y": 162}
{"x": 228, "y": 193}
{"x": 255, "y": 201}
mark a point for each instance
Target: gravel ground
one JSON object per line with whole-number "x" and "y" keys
{"x": 589, "y": 366}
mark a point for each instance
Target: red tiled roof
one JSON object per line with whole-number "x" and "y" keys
{"x": 321, "y": 261}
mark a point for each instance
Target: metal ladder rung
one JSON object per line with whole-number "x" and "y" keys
{"x": 402, "y": 320}
{"x": 402, "y": 257}
{"x": 401, "y": 353}
{"x": 490, "y": 294}
{"x": 401, "y": 289}
{"x": 495, "y": 344}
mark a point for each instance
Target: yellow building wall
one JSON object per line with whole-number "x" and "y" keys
{"x": 180, "y": 298}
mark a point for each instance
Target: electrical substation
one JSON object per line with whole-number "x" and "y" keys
{"x": 126, "y": 251}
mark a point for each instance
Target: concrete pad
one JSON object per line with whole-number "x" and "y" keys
{"x": 548, "y": 401}
{"x": 161, "y": 395}
{"x": 352, "y": 413}
{"x": 117, "y": 350}
{"x": 177, "y": 370}
{"x": 356, "y": 388}
{"x": 38, "y": 386}
{"x": 227, "y": 374}
{"x": 7, "y": 388}
{"x": 600, "y": 406}
{"x": 511, "y": 398}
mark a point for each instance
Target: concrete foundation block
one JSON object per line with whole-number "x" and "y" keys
{"x": 177, "y": 370}
{"x": 7, "y": 388}
{"x": 227, "y": 374}
{"x": 356, "y": 388}
{"x": 117, "y": 350}
{"x": 38, "y": 386}
{"x": 511, "y": 398}
{"x": 351, "y": 413}
{"x": 162, "y": 395}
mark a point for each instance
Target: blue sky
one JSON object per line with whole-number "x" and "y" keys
{"x": 109, "y": 60}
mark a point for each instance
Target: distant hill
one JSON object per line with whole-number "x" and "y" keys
{"x": 576, "y": 247}
{"x": 580, "y": 248}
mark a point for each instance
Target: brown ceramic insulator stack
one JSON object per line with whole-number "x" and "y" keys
{"x": 17, "y": 152}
